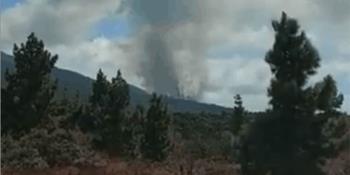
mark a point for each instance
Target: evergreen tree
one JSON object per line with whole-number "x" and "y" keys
{"x": 289, "y": 139}
{"x": 28, "y": 93}
{"x": 238, "y": 115}
{"x": 108, "y": 103}
{"x": 328, "y": 99}
{"x": 119, "y": 98}
{"x": 99, "y": 97}
{"x": 133, "y": 132}
{"x": 155, "y": 143}
{"x": 292, "y": 60}
{"x": 119, "y": 94}
{"x": 92, "y": 117}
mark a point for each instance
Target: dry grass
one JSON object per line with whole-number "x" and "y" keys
{"x": 341, "y": 164}
{"x": 116, "y": 167}
{"x": 338, "y": 166}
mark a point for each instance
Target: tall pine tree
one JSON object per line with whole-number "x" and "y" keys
{"x": 108, "y": 103}
{"x": 29, "y": 90}
{"x": 292, "y": 60}
{"x": 238, "y": 115}
{"x": 99, "y": 98}
{"x": 155, "y": 143}
{"x": 119, "y": 94}
{"x": 289, "y": 139}
{"x": 92, "y": 117}
{"x": 119, "y": 98}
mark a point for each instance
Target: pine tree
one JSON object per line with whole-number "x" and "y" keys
{"x": 289, "y": 139}
{"x": 92, "y": 118}
{"x": 238, "y": 115}
{"x": 119, "y": 94}
{"x": 29, "y": 90}
{"x": 119, "y": 98}
{"x": 96, "y": 112}
{"x": 99, "y": 97}
{"x": 328, "y": 99}
{"x": 108, "y": 103}
{"x": 292, "y": 60}
{"x": 155, "y": 143}
{"x": 133, "y": 132}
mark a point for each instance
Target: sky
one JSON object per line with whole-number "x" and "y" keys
{"x": 218, "y": 47}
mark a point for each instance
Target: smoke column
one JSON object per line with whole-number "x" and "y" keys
{"x": 168, "y": 46}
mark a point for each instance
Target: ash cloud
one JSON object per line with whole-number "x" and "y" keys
{"x": 169, "y": 46}
{"x": 159, "y": 70}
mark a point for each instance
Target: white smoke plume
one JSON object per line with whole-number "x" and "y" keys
{"x": 169, "y": 46}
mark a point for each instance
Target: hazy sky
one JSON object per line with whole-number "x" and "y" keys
{"x": 230, "y": 39}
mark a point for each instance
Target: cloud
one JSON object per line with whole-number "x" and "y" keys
{"x": 56, "y": 22}
{"x": 237, "y": 75}
{"x": 346, "y": 103}
{"x": 250, "y": 77}
{"x": 89, "y": 56}
{"x": 336, "y": 10}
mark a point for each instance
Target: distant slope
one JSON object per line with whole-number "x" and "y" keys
{"x": 74, "y": 82}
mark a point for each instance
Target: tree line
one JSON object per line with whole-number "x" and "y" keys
{"x": 27, "y": 101}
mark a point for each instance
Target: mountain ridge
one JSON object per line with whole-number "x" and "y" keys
{"x": 71, "y": 82}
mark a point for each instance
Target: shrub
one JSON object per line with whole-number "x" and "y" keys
{"x": 46, "y": 146}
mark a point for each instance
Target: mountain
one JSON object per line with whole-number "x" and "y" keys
{"x": 71, "y": 83}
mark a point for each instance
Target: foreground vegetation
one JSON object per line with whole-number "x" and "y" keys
{"x": 303, "y": 132}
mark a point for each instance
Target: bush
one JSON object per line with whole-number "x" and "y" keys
{"x": 17, "y": 156}
{"x": 46, "y": 146}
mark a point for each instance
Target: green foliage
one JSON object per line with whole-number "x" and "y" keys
{"x": 109, "y": 98}
{"x": 292, "y": 60}
{"x": 105, "y": 116}
{"x": 155, "y": 143}
{"x": 29, "y": 91}
{"x": 99, "y": 98}
{"x": 203, "y": 135}
{"x": 16, "y": 155}
{"x": 65, "y": 106}
{"x": 86, "y": 119}
{"x": 328, "y": 98}
{"x": 133, "y": 133}
{"x": 238, "y": 115}
{"x": 290, "y": 139}
{"x": 118, "y": 94}
{"x": 45, "y": 146}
